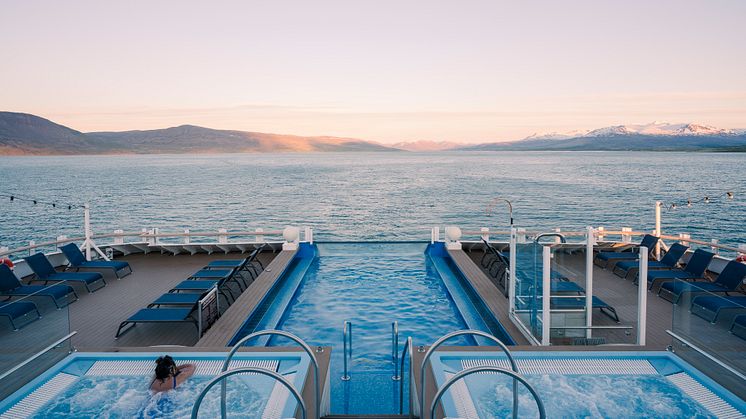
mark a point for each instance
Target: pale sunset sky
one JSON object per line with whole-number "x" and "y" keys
{"x": 388, "y": 71}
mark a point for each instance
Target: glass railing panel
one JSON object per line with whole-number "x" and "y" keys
{"x": 32, "y": 334}
{"x": 710, "y": 329}
{"x": 529, "y": 288}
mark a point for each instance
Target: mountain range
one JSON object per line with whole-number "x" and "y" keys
{"x": 26, "y": 134}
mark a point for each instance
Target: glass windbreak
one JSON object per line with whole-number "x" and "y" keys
{"x": 710, "y": 329}
{"x": 527, "y": 303}
{"x": 34, "y": 321}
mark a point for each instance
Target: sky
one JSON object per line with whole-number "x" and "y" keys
{"x": 388, "y": 71}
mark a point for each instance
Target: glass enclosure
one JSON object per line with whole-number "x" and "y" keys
{"x": 34, "y": 331}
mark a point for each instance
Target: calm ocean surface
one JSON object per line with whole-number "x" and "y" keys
{"x": 374, "y": 196}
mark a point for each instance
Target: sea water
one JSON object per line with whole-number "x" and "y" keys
{"x": 374, "y": 196}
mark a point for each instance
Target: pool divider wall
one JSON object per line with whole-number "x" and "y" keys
{"x": 475, "y": 313}
{"x": 268, "y": 314}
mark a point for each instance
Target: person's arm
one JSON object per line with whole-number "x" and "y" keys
{"x": 158, "y": 385}
{"x": 185, "y": 371}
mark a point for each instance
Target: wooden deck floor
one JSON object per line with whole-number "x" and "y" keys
{"x": 96, "y": 316}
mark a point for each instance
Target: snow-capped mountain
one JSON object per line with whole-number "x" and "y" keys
{"x": 654, "y": 128}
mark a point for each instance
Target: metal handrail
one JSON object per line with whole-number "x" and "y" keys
{"x": 225, "y": 374}
{"x": 474, "y": 370}
{"x": 56, "y": 344}
{"x": 407, "y": 350}
{"x": 470, "y": 332}
{"x": 288, "y": 335}
{"x": 346, "y": 334}
{"x": 395, "y": 349}
{"x": 560, "y": 235}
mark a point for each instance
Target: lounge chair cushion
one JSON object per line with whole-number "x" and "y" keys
{"x": 17, "y": 309}
{"x": 87, "y": 277}
{"x": 212, "y": 273}
{"x": 181, "y": 298}
{"x": 160, "y": 315}
{"x": 77, "y": 259}
{"x": 190, "y": 284}
{"x": 716, "y": 303}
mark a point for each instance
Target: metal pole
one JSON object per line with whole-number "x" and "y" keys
{"x": 546, "y": 314}
{"x": 345, "y": 374}
{"x": 87, "y": 228}
{"x": 658, "y": 205}
{"x": 512, "y": 271}
{"x": 395, "y": 349}
{"x": 589, "y": 280}
{"x": 642, "y": 296}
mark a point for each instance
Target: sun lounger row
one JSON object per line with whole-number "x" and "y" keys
{"x": 187, "y": 299}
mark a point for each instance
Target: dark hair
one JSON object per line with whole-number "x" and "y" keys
{"x": 164, "y": 367}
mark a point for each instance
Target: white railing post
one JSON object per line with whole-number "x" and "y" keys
{"x": 511, "y": 271}
{"x": 626, "y": 237}
{"x": 556, "y": 238}
{"x": 61, "y": 239}
{"x": 435, "y": 235}
{"x": 119, "y": 237}
{"x": 546, "y": 314}
{"x": 485, "y": 234}
{"x": 150, "y": 240}
{"x": 642, "y": 297}
{"x": 600, "y": 234}
{"x": 31, "y": 244}
{"x": 521, "y": 235}
{"x": 590, "y": 235}
{"x": 222, "y": 236}
{"x": 87, "y": 228}
{"x": 714, "y": 247}
{"x": 658, "y": 232}
{"x": 684, "y": 238}
{"x": 310, "y": 235}
{"x": 156, "y": 239}
{"x": 260, "y": 236}
{"x": 187, "y": 239}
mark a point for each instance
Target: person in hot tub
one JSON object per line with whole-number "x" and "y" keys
{"x": 168, "y": 375}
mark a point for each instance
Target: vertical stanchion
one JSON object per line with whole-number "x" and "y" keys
{"x": 546, "y": 314}
{"x": 658, "y": 232}
{"x": 590, "y": 241}
{"x": 511, "y": 271}
{"x": 87, "y": 228}
{"x": 642, "y": 296}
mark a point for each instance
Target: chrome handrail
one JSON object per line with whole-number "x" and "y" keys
{"x": 407, "y": 350}
{"x": 707, "y": 355}
{"x": 346, "y": 335}
{"x": 451, "y": 335}
{"x": 288, "y": 335}
{"x": 474, "y": 370}
{"x": 225, "y": 374}
{"x": 395, "y": 349}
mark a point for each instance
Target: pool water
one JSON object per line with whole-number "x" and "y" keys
{"x": 371, "y": 287}
{"x": 621, "y": 396}
{"x": 129, "y": 397}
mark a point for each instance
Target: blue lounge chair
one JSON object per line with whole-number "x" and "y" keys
{"x": 203, "y": 285}
{"x": 728, "y": 281}
{"x": 695, "y": 268}
{"x": 738, "y": 327}
{"x": 10, "y": 286}
{"x": 44, "y": 271}
{"x": 241, "y": 265}
{"x": 709, "y": 307}
{"x": 159, "y": 315}
{"x": 77, "y": 260}
{"x": 578, "y": 303}
{"x": 603, "y": 259}
{"x": 669, "y": 261}
{"x": 19, "y": 309}
{"x": 177, "y": 299}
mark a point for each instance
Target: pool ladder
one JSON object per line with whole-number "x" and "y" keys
{"x": 347, "y": 349}
{"x": 395, "y": 349}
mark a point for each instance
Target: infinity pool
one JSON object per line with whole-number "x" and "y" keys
{"x": 371, "y": 286}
